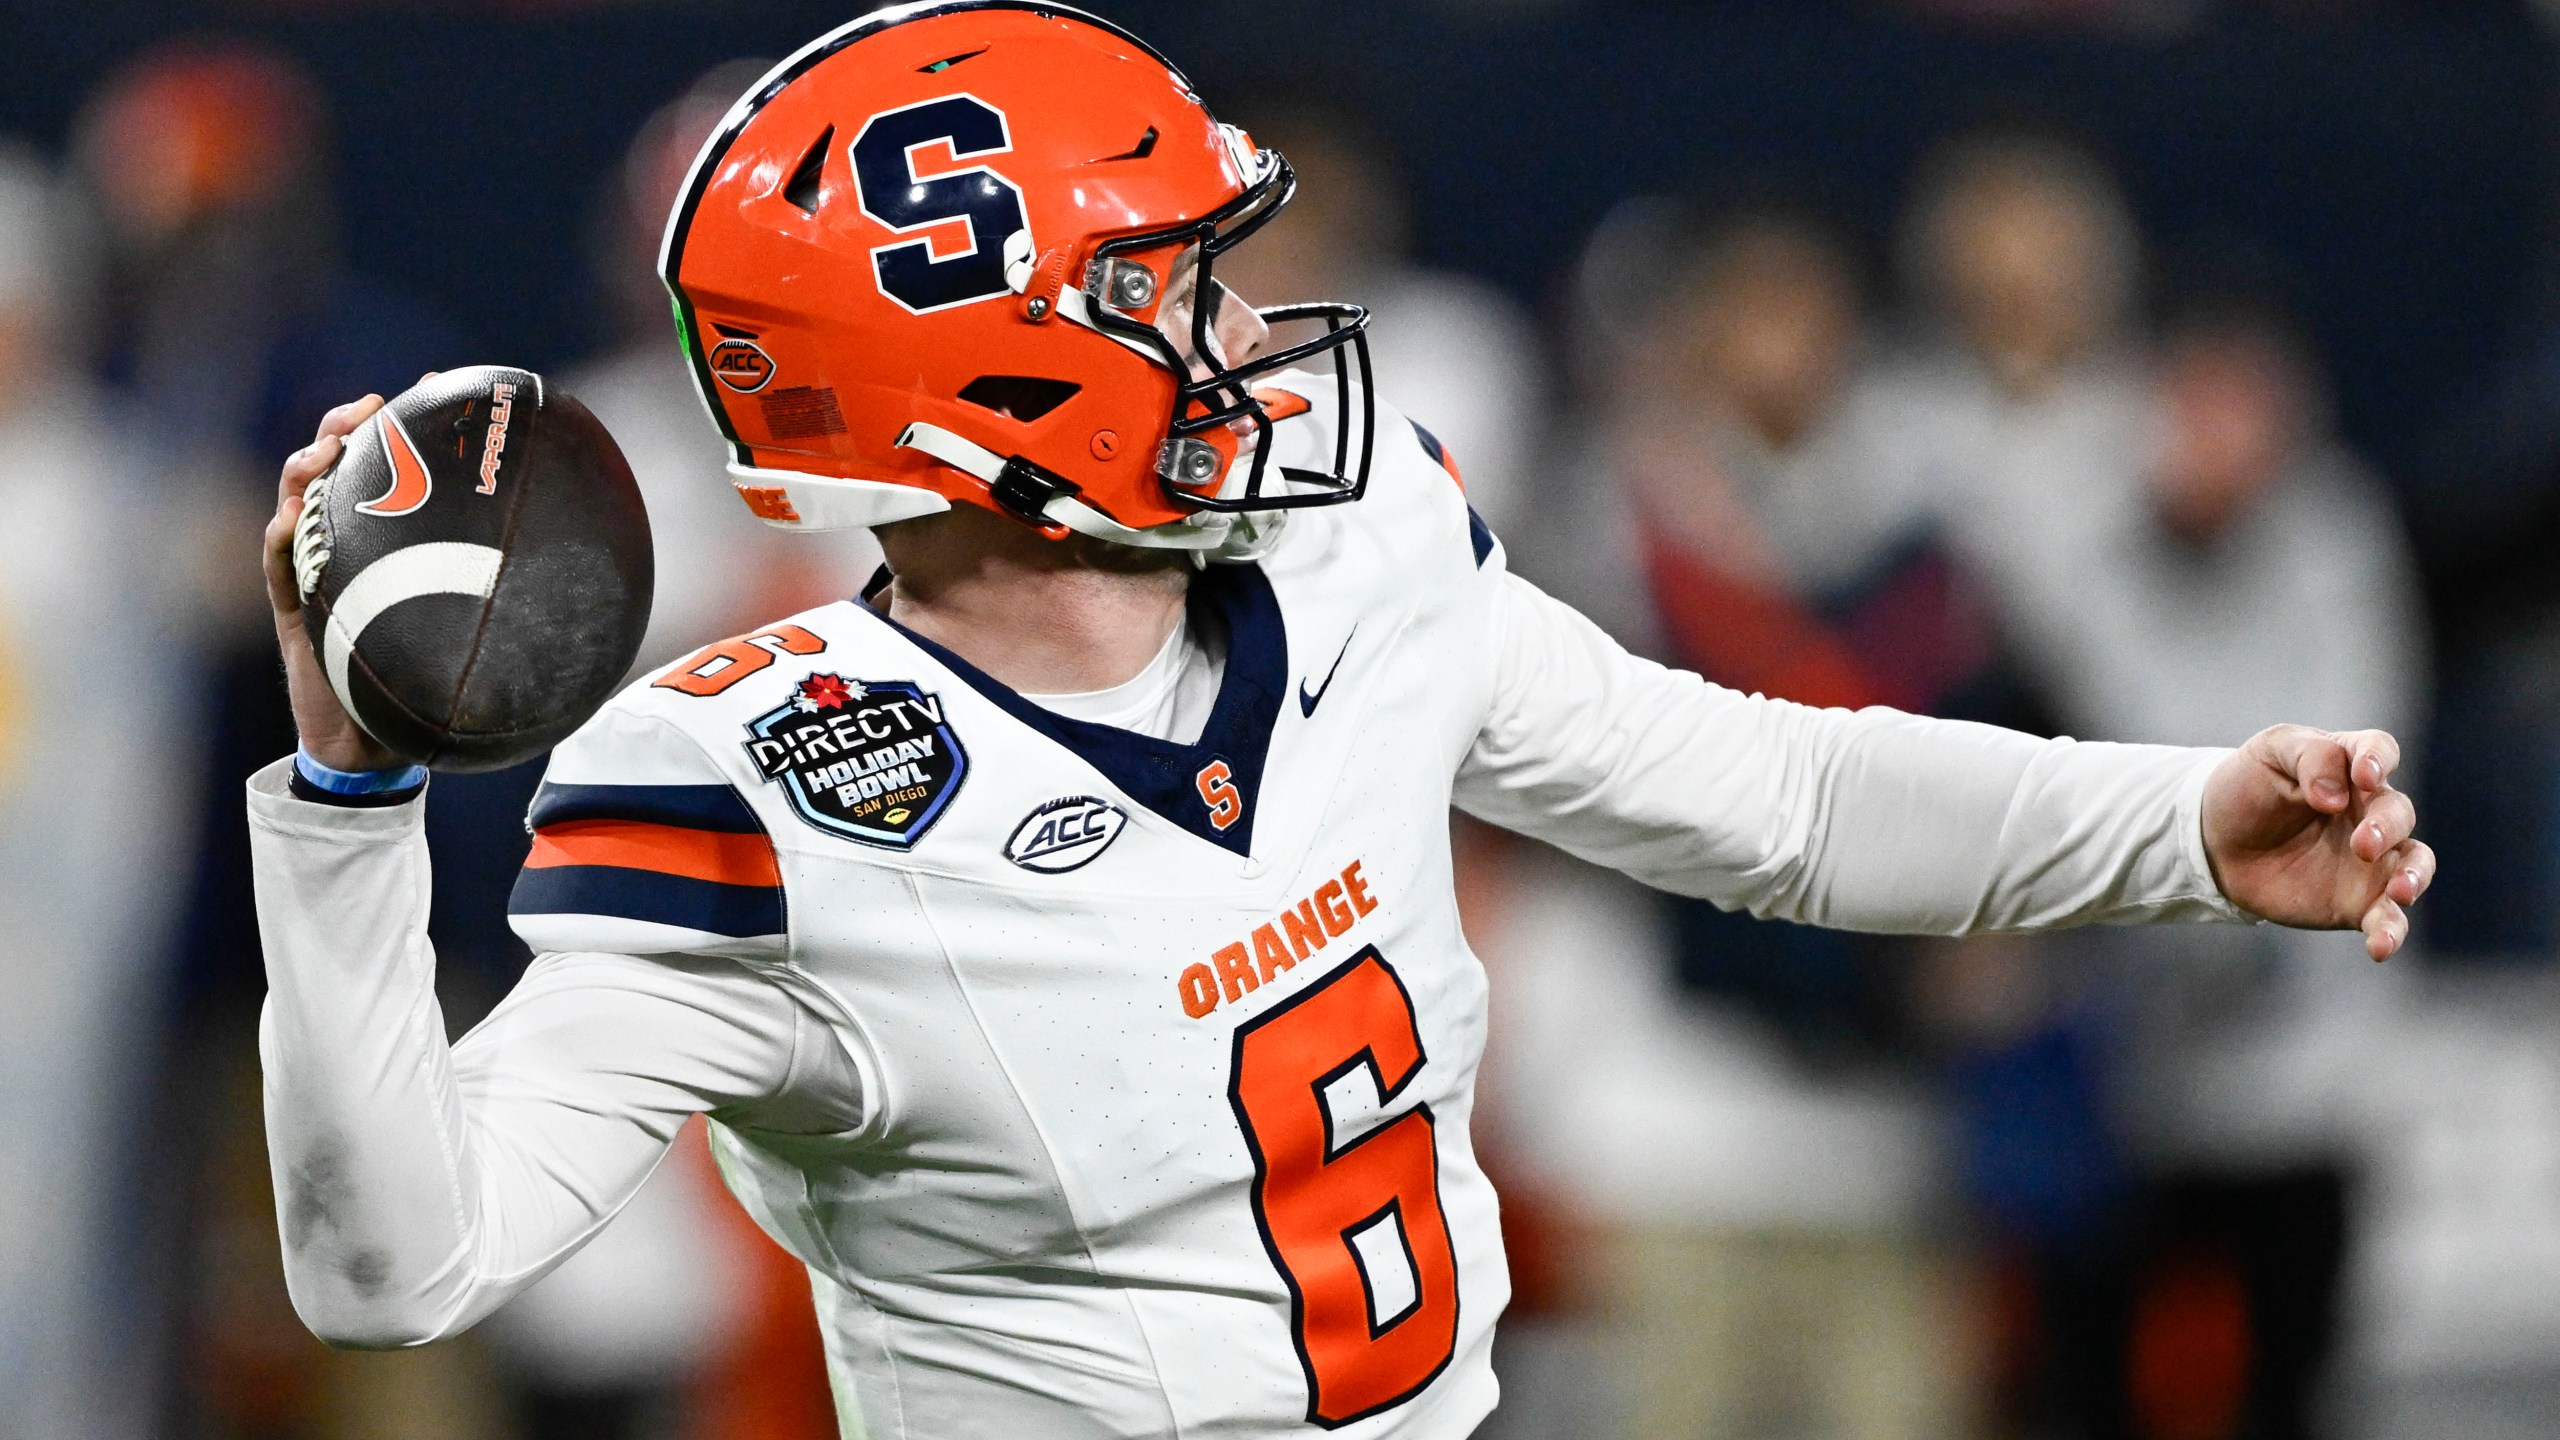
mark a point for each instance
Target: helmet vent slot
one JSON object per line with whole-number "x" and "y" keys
{"x": 946, "y": 62}
{"x": 1145, "y": 147}
{"x": 802, "y": 189}
{"x": 1019, "y": 397}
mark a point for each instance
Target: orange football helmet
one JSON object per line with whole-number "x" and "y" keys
{"x": 922, "y": 261}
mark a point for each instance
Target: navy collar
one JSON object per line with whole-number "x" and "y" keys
{"x": 1175, "y": 781}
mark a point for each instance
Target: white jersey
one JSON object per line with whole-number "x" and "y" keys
{"x": 1108, "y": 1085}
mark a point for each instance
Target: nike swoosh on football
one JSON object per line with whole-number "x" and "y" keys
{"x": 1307, "y": 703}
{"x": 411, "y": 482}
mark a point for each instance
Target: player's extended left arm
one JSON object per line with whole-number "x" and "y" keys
{"x": 1876, "y": 820}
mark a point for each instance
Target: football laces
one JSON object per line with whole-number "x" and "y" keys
{"x": 311, "y": 538}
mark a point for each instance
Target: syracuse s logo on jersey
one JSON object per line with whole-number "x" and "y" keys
{"x": 1065, "y": 835}
{"x": 872, "y": 761}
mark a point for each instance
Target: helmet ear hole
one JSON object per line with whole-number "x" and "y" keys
{"x": 1019, "y": 397}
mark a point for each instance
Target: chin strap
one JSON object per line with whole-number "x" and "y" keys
{"x": 1043, "y": 498}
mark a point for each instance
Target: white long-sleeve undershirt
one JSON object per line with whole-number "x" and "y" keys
{"x": 419, "y": 1185}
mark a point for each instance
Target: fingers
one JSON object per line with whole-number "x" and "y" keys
{"x": 2390, "y": 817}
{"x": 2386, "y": 921}
{"x": 2315, "y": 760}
{"x": 2373, "y": 755}
{"x": 2412, "y": 868}
{"x": 301, "y": 468}
{"x": 281, "y": 590}
{"x": 2386, "y": 928}
{"x": 313, "y": 460}
{"x": 342, "y": 420}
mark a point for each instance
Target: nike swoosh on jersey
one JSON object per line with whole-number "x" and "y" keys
{"x": 1307, "y": 703}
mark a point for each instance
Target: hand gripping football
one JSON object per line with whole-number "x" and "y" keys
{"x": 475, "y": 570}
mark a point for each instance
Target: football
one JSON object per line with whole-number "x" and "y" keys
{"x": 475, "y": 570}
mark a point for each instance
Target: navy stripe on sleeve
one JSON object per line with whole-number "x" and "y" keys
{"x": 1480, "y": 535}
{"x": 693, "y": 807}
{"x": 1431, "y": 445}
{"x": 740, "y": 910}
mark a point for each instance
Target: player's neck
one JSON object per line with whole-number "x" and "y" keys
{"x": 1032, "y": 612}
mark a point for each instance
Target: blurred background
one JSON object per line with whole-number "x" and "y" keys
{"x": 2140, "y": 369}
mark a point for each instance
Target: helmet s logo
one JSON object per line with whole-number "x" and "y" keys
{"x": 884, "y": 171}
{"x": 742, "y": 366}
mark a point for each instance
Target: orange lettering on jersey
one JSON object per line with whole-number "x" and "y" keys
{"x": 1359, "y": 888}
{"x": 1217, "y": 791}
{"x": 1337, "y": 917}
{"x": 1267, "y": 952}
{"x": 1305, "y": 934}
{"x": 1237, "y": 970}
{"x": 1199, "y": 991}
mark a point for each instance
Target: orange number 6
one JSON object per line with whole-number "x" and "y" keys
{"x": 1355, "y": 1228}
{"x": 715, "y": 668}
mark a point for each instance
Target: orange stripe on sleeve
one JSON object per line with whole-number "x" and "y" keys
{"x": 668, "y": 849}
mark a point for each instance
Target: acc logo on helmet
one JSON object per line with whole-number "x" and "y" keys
{"x": 742, "y": 365}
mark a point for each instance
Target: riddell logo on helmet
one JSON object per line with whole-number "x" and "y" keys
{"x": 742, "y": 366}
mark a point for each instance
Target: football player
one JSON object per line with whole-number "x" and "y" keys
{"x": 1060, "y": 936}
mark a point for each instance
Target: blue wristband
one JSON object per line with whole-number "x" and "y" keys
{"x": 356, "y": 782}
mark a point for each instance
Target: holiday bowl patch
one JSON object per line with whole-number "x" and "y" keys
{"x": 872, "y": 761}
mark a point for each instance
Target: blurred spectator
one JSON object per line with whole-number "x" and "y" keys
{"x": 2260, "y": 575}
{"x": 2025, "y": 263}
{"x": 1787, "y": 547}
{"x": 2180, "y": 553}
{"x": 1759, "y": 1250}
{"x": 2251, "y": 571}
{"x": 646, "y": 1330}
{"x": 1765, "y": 1263}
{"x": 2019, "y": 402}
{"x": 1454, "y": 354}
{"x": 1787, "y": 544}
{"x": 229, "y": 316}
{"x": 720, "y": 570}
{"x": 100, "y": 744}
{"x": 227, "y": 324}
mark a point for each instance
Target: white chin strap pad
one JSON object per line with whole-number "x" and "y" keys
{"x": 789, "y": 500}
{"x": 1200, "y": 532}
